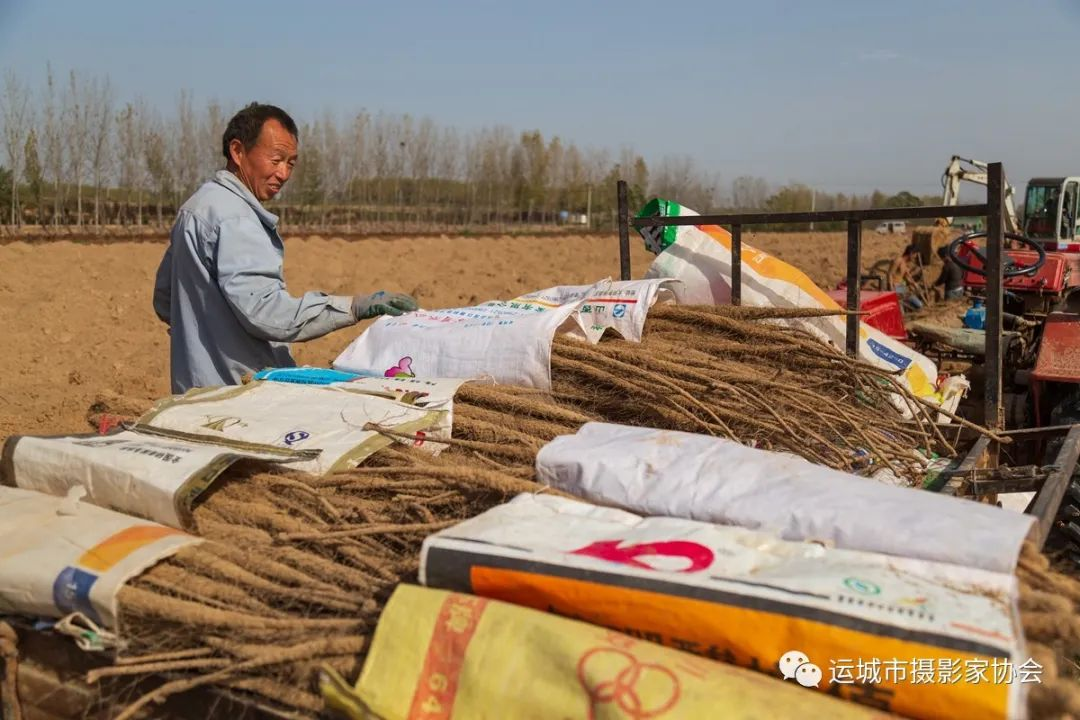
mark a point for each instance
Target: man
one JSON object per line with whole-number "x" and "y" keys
{"x": 951, "y": 279}
{"x": 1068, "y": 225}
{"x": 902, "y": 277}
{"x": 220, "y": 286}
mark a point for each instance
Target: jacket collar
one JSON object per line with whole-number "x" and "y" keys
{"x": 228, "y": 180}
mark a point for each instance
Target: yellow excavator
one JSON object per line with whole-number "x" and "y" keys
{"x": 974, "y": 171}
{"x": 1050, "y": 204}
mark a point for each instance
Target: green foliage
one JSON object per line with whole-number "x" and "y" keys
{"x": 903, "y": 199}
{"x": 5, "y": 192}
{"x": 791, "y": 198}
{"x": 35, "y": 177}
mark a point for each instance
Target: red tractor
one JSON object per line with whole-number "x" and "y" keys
{"x": 1041, "y": 329}
{"x": 1041, "y": 304}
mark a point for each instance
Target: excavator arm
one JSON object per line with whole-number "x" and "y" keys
{"x": 975, "y": 171}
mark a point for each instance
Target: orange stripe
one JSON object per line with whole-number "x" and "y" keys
{"x": 773, "y": 268}
{"x": 754, "y": 638}
{"x": 987, "y": 633}
{"x": 115, "y": 548}
{"x": 436, "y": 688}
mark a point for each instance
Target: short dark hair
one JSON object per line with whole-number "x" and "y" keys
{"x": 246, "y": 125}
{"x": 910, "y": 249}
{"x": 943, "y": 251}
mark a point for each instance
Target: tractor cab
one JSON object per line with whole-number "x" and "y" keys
{"x": 1050, "y": 213}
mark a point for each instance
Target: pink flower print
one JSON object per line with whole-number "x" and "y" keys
{"x": 402, "y": 369}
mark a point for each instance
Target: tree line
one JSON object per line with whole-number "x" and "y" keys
{"x": 76, "y": 155}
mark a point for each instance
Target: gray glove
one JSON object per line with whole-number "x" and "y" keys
{"x": 365, "y": 307}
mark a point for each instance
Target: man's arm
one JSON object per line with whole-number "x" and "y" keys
{"x": 249, "y": 274}
{"x": 163, "y": 287}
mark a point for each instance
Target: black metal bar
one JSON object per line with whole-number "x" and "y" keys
{"x": 926, "y": 212}
{"x": 854, "y": 265}
{"x": 1017, "y": 485}
{"x": 1036, "y": 432}
{"x": 1048, "y": 501}
{"x": 1009, "y": 479}
{"x": 995, "y": 240}
{"x": 736, "y": 264}
{"x": 624, "y": 231}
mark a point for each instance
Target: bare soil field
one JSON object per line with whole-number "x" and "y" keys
{"x": 77, "y": 321}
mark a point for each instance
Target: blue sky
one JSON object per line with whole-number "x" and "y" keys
{"x": 845, "y": 95}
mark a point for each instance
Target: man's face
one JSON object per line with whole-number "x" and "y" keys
{"x": 266, "y": 167}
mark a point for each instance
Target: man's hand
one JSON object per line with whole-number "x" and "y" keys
{"x": 365, "y": 307}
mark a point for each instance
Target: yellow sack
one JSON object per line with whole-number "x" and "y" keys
{"x": 439, "y": 655}
{"x": 934, "y": 641}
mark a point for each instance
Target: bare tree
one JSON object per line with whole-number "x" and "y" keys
{"x": 420, "y": 152}
{"x": 596, "y": 166}
{"x": 101, "y": 117}
{"x": 210, "y": 134}
{"x": 355, "y": 153}
{"x": 489, "y": 171}
{"x": 556, "y": 156}
{"x": 54, "y": 142}
{"x": 398, "y": 166}
{"x": 308, "y": 185}
{"x": 334, "y": 163}
{"x": 77, "y": 135}
{"x": 402, "y": 130}
{"x": 677, "y": 178}
{"x": 673, "y": 178}
{"x": 17, "y": 123}
{"x": 381, "y": 153}
{"x": 448, "y": 163}
{"x": 474, "y": 166}
{"x": 573, "y": 178}
{"x": 34, "y": 176}
{"x": 749, "y": 193}
{"x": 156, "y": 156}
{"x": 632, "y": 168}
{"x": 533, "y": 173}
{"x": 184, "y": 150}
{"x": 129, "y": 147}
{"x": 503, "y": 152}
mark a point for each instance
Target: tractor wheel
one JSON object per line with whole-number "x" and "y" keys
{"x": 1017, "y": 407}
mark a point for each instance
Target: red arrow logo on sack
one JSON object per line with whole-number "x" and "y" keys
{"x": 699, "y": 556}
